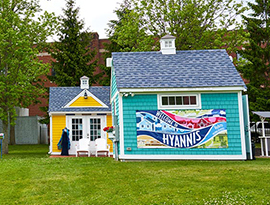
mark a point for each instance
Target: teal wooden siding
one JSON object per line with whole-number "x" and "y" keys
{"x": 115, "y": 112}
{"x": 209, "y": 101}
{"x": 228, "y": 101}
{"x": 113, "y": 84}
{"x": 117, "y": 108}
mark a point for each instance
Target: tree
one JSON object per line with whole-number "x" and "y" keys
{"x": 196, "y": 24}
{"x": 20, "y": 33}
{"x": 125, "y": 34}
{"x": 256, "y": 56}
{"x": 72, "y": 53}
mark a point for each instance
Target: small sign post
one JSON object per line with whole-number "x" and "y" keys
{"x": 2, "y": 135}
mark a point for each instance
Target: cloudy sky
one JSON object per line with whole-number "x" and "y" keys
{"x": 96, "y": 13}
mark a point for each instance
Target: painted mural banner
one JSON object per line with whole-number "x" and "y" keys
{"x": 182, "y": 129}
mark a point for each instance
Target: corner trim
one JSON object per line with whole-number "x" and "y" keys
{"x": 241, "y": 124}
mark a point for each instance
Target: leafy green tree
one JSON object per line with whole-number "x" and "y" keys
{"x": 196, "y": 24}
{"x": 20, "y": 31}
{"x": 72, "y": 53}
{"x": 255, "y": 65}
{"x": 125, "y": 34}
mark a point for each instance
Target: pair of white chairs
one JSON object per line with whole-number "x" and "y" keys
{"x": 101, "y": 146}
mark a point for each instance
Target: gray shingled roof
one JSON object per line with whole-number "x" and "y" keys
{"x": 60, "y": 96}
{"x": 193, "y": 68}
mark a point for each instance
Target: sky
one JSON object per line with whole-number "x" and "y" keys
{"x": 96, "y": 13}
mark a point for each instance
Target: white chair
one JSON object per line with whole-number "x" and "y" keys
{"x": 83, "y": 146}
{"x": 102, "y": 146}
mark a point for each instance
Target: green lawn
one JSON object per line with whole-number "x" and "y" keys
{"x": 29, "y": 176}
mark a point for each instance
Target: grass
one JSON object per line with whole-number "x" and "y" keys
{"x": 29, "y": 176}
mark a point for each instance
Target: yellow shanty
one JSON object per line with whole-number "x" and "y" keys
{"x": 84, "y": 111}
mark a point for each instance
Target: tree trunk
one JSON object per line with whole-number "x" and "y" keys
{"x": 11, "y": 130}
{"x": 12, "y": 135}
{"x": 5, "y": 141}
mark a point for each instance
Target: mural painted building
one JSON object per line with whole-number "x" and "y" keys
{"x": 84, "y": 110}
{"x": 179, "y": 105}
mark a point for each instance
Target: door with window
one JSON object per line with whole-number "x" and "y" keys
{"x": 95, "y": 130}
{"x": 89, "y": 127}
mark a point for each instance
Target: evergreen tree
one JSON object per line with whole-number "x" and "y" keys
{"x": 72, "y": 54}
{"x": 256, "y": 55}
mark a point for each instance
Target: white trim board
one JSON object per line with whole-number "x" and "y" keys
{"x": 182, "y": 157}
{"x": 241, "y": 123}
{"x": 114, "y": 96}
{"x": 80, "y": 112}
{"x": 121, "y": 125}
{"x": 182, "y": 107}
{"x": 249, "y": 134}
{"x": 199, "y": 89}
{"x": 51, "y": 135}
{"x": 89, "y": 94}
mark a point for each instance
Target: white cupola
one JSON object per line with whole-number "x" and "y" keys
{"x": 167, "y": 45}
{"x": 84, "y": 82}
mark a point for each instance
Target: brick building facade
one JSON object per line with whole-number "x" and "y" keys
{"x": 96, "y": 44}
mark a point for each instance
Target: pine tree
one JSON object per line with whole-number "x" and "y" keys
{"x": 72, "y": 54}
{"x": 256, "y": 55}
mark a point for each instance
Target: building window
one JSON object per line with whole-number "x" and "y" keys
{"x": 179, "y": 101}
{"x": 168, "y": 44}
{"x": 77, "y": 129}
{"x": 95, "y": 129}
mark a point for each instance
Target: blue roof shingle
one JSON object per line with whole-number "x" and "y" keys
{"x": 192, "y": 68}
{"x": 61, "y": 96}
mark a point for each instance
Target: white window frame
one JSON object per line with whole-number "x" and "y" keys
{"x": 84, "y": 82}
{"x": 197, "y": 106}
{"x": 168, "y": 44}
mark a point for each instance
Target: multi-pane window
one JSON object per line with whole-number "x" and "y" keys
{"x": 168, "y": 44}
{"x": 95, "y": 129}
{"x": 77, "y": 129}
{"x": 179, "y": 100}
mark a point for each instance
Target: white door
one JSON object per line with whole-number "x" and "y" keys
{"x": 94, "y": 129}
{"x": 89, "y": 127}
{"x": 76, "y": 127}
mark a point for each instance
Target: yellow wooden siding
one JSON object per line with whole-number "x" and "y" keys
{"x": 81, "y": 102}
{"x": 58, "y": 124}
{"x": 109, "y": 123}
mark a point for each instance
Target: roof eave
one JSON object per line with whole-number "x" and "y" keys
{"x": 188, "y": 89}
